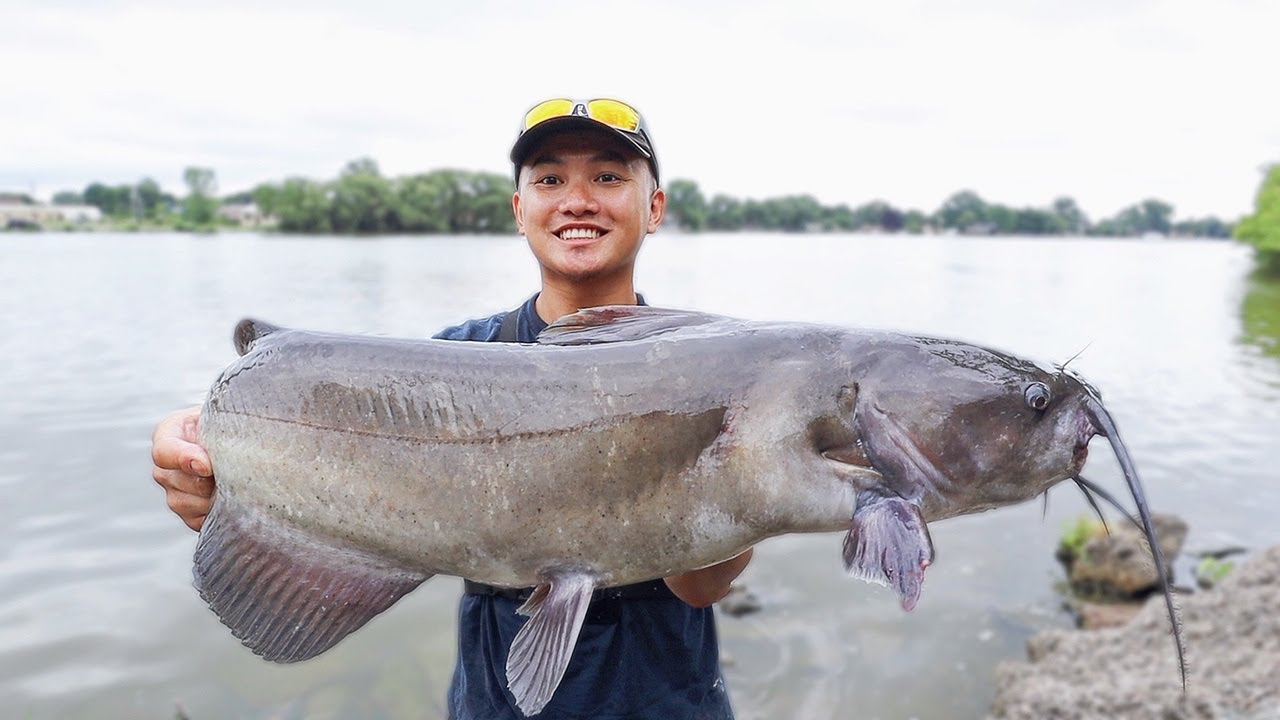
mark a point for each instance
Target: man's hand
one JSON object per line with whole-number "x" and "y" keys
{"x": 704, "y": 587}
{"x": 182, "y": 467}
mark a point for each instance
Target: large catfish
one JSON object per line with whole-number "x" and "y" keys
{"x": 631, "y": 444}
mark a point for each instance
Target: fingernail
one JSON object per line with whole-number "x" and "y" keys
{"x": 198, "y": 468}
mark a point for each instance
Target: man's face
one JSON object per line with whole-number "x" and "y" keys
{"x": 585, "y": 202}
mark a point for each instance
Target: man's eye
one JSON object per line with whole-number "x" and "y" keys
{"x": 548, "y": 180}
{"x": 610, "y": 177}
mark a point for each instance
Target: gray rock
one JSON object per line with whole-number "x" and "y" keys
{"x": 740, "y": 601}
{"x": 1120, "y": 565}
{"x": 1232, "y": 636}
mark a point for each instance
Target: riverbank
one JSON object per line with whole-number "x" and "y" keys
{"x": 1232, "y": 635}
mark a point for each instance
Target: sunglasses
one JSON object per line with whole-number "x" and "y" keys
{"x": 614, "y": 113}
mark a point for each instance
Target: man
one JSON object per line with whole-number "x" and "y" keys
{"x": 587, "y": 194}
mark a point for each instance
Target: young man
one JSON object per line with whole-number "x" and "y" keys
{"x": 587, "y": 195}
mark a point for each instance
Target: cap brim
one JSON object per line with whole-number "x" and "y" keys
{"x": 532, "y": 137}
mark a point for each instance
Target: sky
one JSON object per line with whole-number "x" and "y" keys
{"x": 1106, "y": 101}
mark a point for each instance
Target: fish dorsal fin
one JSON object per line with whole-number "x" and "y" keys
{"x": 286, "y": 595}
{"x": 888, "y": 544}
{"x": 619, "y": 323}
{"x": 541, "y": 650}
{"x": 249, "y": 331}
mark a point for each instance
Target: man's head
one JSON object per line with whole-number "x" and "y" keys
{"x": 586, "y": 192}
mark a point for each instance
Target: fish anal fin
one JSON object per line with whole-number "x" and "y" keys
{"x": 888, "y": 544}
{"x": 619, "y": 323}
{"x": 541, "y": 650}
{"x": 286, "y": 596}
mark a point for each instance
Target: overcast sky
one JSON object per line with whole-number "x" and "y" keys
{"x": 1106, "y": 101}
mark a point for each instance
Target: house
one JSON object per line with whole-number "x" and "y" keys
{"x": 19, "y": 211}
{"x": 245, "y": 214}
{"x": 79, "y": 214}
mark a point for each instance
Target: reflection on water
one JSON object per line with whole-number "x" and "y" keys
{"x": 103, "y": 334}
{"x": 1260, "y": 310}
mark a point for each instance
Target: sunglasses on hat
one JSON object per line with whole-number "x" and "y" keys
{"x": 614, "y": 113}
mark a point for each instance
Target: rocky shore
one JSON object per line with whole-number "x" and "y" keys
{"x": 1232, "y": 636}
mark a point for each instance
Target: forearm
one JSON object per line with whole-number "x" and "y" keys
{"x": 701, "y": 588}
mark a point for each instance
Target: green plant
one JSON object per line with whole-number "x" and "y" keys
{"x": 1213, "y": 569}
{"x": 1077, "y": 532}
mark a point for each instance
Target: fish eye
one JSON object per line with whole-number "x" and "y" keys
{"x": 1037, "y": 396}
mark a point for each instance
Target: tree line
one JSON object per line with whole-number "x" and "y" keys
{"x": 361, "y": 200}
{"x": 964, "y": 212}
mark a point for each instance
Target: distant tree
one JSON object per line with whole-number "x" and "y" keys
{"x": 1070, "y": 216}
{"x": 112, "y": 201}
{"x": 149, "y": 197}
{"x": 725, "y": 213}
{"x": 915, "y": 221}
{"x": 362, "y": 200}
{"x": 303, "y": 206}
{"x": 68, "y": 197}
{"x": 201, "y": 204}
{"x": 962, "y": 211}
{"x": 686, "y": 204}
{"x": 1262, "y": 228}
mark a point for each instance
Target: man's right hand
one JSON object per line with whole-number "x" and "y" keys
{"x": 182, "y": 467}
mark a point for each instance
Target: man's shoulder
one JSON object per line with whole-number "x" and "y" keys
{"x": 483, "y": 329}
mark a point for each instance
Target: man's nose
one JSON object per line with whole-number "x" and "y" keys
{"x": 579, "y": 200}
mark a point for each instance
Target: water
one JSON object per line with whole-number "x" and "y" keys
{"x": 101, "y": 335}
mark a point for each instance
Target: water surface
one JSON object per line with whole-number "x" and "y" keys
{"x": 102, "y": 335}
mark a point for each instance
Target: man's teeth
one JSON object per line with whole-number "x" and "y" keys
{"x": 579, "y": 234}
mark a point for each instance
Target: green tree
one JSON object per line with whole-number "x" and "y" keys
{"x": 686, "y": 204}
{"x": 362, "y": 201}
{"x": 962, "y": 211}
{"x": 303, "y": 206}
{"x": 68, "y": 197}
{"x": 201, "y": 204}
{"x": 1262, "y": 228}
{"x": 725, "y": 213}
{"x": 1070, "y": 216}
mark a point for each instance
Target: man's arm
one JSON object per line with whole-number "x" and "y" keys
{"x": 701, "y": 588}
{"x": 182, "y": 467}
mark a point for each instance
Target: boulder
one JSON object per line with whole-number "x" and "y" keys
{"x": 1120, "y": 565}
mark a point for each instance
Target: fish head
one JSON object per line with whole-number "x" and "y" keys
{"x": 954, "y": 428}
{"x": 961, "y": 429}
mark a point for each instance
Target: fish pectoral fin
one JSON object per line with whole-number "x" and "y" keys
{"x": 541, "y": 650}
{"x": 285, "y": 595}
{"x": 888, "y": 544}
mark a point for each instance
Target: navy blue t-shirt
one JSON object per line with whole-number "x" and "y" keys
{"x": 652, "y": 658}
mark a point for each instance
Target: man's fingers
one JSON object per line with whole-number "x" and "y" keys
{"x": 183, "y": 482}
{"x": 174, "y": 446}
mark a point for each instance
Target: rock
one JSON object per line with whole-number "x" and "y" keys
{"x": 1232, "y": 636}
{"x": 1120, "y": 565}
{"x": 740, "y": 601}
{"x": 1099, "y": 615}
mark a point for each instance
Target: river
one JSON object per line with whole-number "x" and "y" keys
{"x": 103, "y": 334}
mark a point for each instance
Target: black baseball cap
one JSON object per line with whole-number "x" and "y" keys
{"x": 613, "y": 116}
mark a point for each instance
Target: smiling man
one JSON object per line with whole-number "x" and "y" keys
{"x": 587, "y": 195}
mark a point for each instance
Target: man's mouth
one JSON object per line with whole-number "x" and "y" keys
{"x": 578, "y": 233}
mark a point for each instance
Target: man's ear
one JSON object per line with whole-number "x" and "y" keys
{"x": 515, "y": 210}
{"x": 657, "y": 208}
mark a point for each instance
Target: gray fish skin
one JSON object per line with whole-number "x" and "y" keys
{"x": 636, "y": 443}
{"x": 495, "y": 462}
